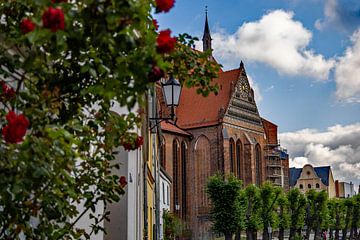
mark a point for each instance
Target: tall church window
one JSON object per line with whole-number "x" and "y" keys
{"x": 162, "y": 153}
{"x": 258, "y": 164}
{"x": 202, "y": 170}
{"x": 232, "y": 155}
{"x": 183, "y": 178}
{"x": 238, "y": 158}
{"x": 176, "y": 173}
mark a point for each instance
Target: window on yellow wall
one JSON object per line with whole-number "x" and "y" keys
{"x": 309, "y": 186}
{"x": 317, "y": 185}
{"x": 301, "y": 186}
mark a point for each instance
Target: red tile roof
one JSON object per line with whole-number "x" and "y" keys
{"x": 195, "y": 110}
{"x": 166, "y": 126}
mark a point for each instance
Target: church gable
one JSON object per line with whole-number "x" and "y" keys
{"x": 242, "y": 104}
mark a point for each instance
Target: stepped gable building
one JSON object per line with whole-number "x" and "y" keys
{"x": 218, "y": 133}
{"x": 309, "y": 177}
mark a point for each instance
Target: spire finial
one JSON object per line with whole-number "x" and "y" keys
{"x": 206, "y": 37}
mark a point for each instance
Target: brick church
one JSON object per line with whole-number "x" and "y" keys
{"x": 217, "y": 133}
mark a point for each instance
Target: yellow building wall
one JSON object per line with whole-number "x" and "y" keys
{"x": 150, "y": 203}
{"x": 331, "y": 190}
{"x": 152, "y": 156}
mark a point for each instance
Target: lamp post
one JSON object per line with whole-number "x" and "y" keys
{"x": 171, "y": 91}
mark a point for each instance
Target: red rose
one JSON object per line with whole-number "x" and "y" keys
{"x": 58, "y": 1}
{"x": 53, "y": 19}
{"x": 123, "y": 181}
{"x": 26, "y": 26}
{"x": 139, "y": 141}
{"x": 155, "y": 74}
{"x": 7, "y": 92}
{"x": 165, "y": 43}
{"x": 128, "y": 146}
{"x": 155, "y": 23}
{"x": 164, "y": 5}
{"x": 15, "y": 130}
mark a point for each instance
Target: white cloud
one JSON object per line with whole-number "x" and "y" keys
{"x": 347, "y": 73}
{"x": 342, "y": 15}
{"x": 276, "y": 40}
{"x": 338, "y": 146}
{"x": 330, "y": 14}
{"x": 299, "y": 162}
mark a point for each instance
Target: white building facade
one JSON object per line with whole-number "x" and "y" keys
{"x": 165, "y": 184}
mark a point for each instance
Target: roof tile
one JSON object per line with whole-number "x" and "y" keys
{"x": 195, "y": 110}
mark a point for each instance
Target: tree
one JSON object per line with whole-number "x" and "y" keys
{"x": 297, "y": 202}
{"x": 336, "y": 216}
{"x": 316, "y": 211}
{"x": 348, "y": 208}
{"x": 226, "y": 213}
{"x": 355, "y": 219}
{"x": 63, "y": 64}
{"x": 283, "y": 215}
{"x": 268, "y": 199}
{"x": 252, "y": 218}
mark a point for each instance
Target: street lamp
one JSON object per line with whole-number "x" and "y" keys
{"x": 171, "y": 90}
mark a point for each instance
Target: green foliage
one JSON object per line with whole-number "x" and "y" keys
{"x": 336, "y": 214}
{"x": 226, "y": 212}
{"x": 268, "y": 201}
{"x": 283, "y": 211}
{"x": 297, "y": 203}
{"x": 253, "y": 207}
{"x": 259, "y": 206}
{"x": 316, "y": 210}
{"x": 66, "y": 83}
{"x": 173, "y": 227}
{"x": 356, "y": 211}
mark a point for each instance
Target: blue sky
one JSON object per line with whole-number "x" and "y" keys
{"x": 303, "y": 58}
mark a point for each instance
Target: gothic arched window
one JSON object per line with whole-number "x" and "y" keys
{"x": 258, "y": 164}
{"x": 184, "y": 154}
{"x": 202, "y": 170}
{"x": 163, "y": 153}
{"x": 176, "y": 173}
{"x": 239, "y": 155}
{"x": 232, "y": 156}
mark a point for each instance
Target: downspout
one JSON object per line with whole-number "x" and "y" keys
{"x": 157, "y": 192}
{"x": 145, "y": 133}
{"x": 145, "y": 202}
{"x": 157, "y": 169}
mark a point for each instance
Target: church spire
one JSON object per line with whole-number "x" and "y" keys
{"x": 206, "y": 37}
